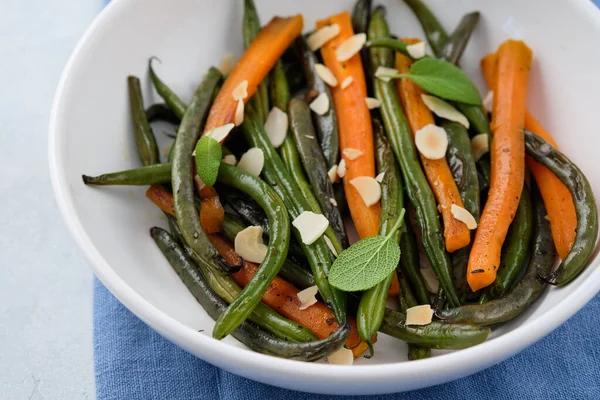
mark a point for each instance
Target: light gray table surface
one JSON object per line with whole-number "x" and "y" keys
{"x": 45, "y": 285}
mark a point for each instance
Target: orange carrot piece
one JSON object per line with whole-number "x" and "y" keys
{"x": 556, "y": 196}
{"x": 282, "y": 297}
{"x": 438, "y": 173}
{"x": 354, "y": 123}
{"x": 212, "y": 213}
{"x": 163, "y": 199}
{"x": 255, "y": 64}
{"x": 507, "y": 159}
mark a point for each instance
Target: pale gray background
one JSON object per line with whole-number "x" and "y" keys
{"x": 45, "y": 285}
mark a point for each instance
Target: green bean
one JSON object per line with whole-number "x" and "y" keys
{"x": 388, "y": 43}
{"x": 170, "y": 97}
{"x": 144, "y": 137}
{"x": 279, "y": 240}
{"x": 315, "y": 167}
{"x": 434, "y": 31}
{"x": 326, "y": 125}
{"x": 361, "y": 15}
{"x": 276, "y": 174}
{"x": 527, "y": 291}
{"x": 295, "y": 76}
{"x": 436, "y": 335}
{"x": 409, "y": 264}
{"x": 585, "y": 207}
{"x": 148, "y": 175}
{"x": 407, "y": 300}
{"x": 455, "y": 45}
{"x": 372, "y": 302}
{"x": 250, "y": 28}
{"x": 400, "y": 136}
{"x": 514, "y": 250}
{"x": 161, "y": 112}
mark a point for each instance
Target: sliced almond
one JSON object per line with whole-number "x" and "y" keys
{"x": 333, "y": 173}
{"x": 220, "y": 133}
{"x": 227, "y": 64}
{"x": 322, "y": 36}
{"x": 379, "y": 178}
{"x": 488, "y": 102}
{"x": 368, "y": 188}
{"x": 241, "y": 91}
{"x": 372, "y": 103}
{"x": 276, "y": 126}
{"x": 252, "y": 161}
{"x": 311, "y": 226}
{"x": 352, "y": 154}
{"x": 445, "y": 110}
{"x": 307, "y": 297}
{"x": 431, "y": 280}
{"x": 320, "y": 105}
{"x": 432, "y": 142}
{"x": 383, "y": 73}
{"x": 249, "y": 244}
{"x": 333, "y": 202}
{"x": 230, "y": 159}
{"x": 341, "y": 170}
{"x": 326, "y": 74}
{"x": 239, "y": 113}
{"x": 347, "y": 82}
{"x": 350, "y": 47}
{"x": 464, "y": 216}
{"x": 331, "y": 246}
{"x": 342, "y": 356}
{"x": 480, "y": 145}
{"x": 417, "y": 50}
{"x": 419, "y": 315}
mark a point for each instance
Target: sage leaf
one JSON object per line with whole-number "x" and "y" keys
{"x": 208, "y": 159}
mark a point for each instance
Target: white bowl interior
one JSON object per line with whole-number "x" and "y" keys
{"x": 92, "y": 134}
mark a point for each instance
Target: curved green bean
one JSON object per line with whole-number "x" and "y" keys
{"x": 161, "y": 112}
{"x": 148, "y": 175}
{"x": 144, "y": 137}
{"x": 169, "y": 96}
{"x": 454, "y": 47}
{"x": 433, "y": 29}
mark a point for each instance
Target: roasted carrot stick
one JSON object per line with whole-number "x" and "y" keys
{"x": 508, "y": 162}
{"x": 438, "y": 173}
{"x": 556, "y": 196}
{"x": 211, "y": 210}
{"x": 264, "y": 51}
{"x": 282, "y": 297}
{"x": 163, "y": 199}
{"x": 354, "y": 123}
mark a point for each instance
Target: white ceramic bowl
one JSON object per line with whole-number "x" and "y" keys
{"x": 90, "y": 132}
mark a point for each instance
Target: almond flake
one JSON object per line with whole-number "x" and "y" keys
{"x": 383, "y": 73}
{"x": 431, "y": 280}
{"x": 464, "y": 216}
{"x": 220, "y": 133}
{"x": 444, "y": 110}
{"x": 333, "y": 202}
{"x": 227, "y": 64}
{"x": 333, "y": 171}
{"x": 346, "y": 82}
{"x": 311, "y": 226}
{"x": 432, "y": 142}
{"x": 372, "y": 103}
{"x": 276, "y": 126}
{"x": 368, "y": 188}
{"x": 322, "y": 36}
{"x": 419, "y": 315}
{"x": 308, "y": 297}
{"x": 488, "y": 102}
{"x": 417, "y": 50}
{"x": 330, "y": 245}
{"x": 379, "y": 178}
{"x": 352, "y": 154}
{"x": 241, "y": 91}
{"x": 350, "y": 47}
{"x": 230, "y": 159}
{"x": 239, "y": 113}
{"x": 480, "y": 145}
{"x": 249, "y": 244}
{"x": 326, "y": 74}
{"x": 341, "y": 169}
{"x": 342, "y": 356}
{"x": 252, "y": 161}
{"x": 320, "y": 105}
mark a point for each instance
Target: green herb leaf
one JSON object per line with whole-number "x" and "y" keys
{"x": 367, "y": 262}
{"x": 208, "y": 159}
{"x": 445, "y": 80}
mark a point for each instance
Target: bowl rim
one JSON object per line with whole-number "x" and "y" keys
{"x": 439, "y": 369}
